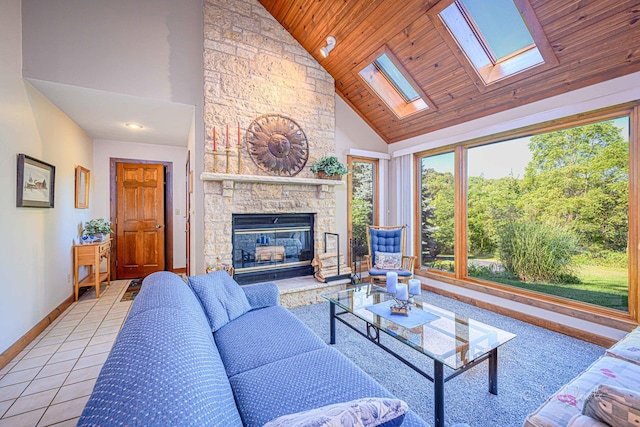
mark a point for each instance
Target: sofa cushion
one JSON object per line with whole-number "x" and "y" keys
{"x": 580, "y": 420}
{"x": 628, "y": 348}
{"x": 569, "y": 400}
{"x": 303, "y": 382}
{"x": 615, "y": 406}
{"x": 263, "y": 336}
{"x": 163, "y": 370}
{"x": 262, "y": 294}
{"x": 367, "y": 412}
{"x": 221, "y": 297}
{"x": 166, "y": 289}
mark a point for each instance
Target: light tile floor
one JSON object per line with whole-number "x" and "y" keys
{"x": 50, "y": 381}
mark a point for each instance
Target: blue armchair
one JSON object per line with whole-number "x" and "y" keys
{"x": 389, "y": 243}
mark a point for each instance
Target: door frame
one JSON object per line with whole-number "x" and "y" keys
{"x": 168, "y": 208}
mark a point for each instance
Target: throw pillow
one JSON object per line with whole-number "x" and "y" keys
{"x": 221, "y": 297}
{"x": 579, "y": 420}
{"x": 367, "y": 412}
{"x": 388, "y": 260}
{"x": 615, "y": 406}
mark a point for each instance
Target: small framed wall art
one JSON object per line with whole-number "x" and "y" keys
{"x": 35, "y": 183}
{"x": 82, "y": 187}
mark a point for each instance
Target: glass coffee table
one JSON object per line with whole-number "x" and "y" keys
{"x": 449, "y": 339}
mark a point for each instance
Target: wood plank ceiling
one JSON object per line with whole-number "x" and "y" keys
{"x": 593, "y": 41}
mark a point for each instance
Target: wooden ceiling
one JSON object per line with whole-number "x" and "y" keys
{"x": 593, "y": 41}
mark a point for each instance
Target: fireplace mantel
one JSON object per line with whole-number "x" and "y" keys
{"x": 266, "y": 179}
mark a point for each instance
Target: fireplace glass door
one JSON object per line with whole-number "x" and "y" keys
{"x": 266, "y": 247}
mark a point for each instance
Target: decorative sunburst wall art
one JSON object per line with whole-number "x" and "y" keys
{"x": 277, "y": 145}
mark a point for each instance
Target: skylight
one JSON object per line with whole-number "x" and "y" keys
{"x": 394, "y": 85}
{"x": 494, "y": 36}
{"x": 396, "y": 78}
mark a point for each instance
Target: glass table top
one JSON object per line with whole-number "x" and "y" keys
{"x": 451, "y": 338}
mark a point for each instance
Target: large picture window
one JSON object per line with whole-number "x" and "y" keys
{"x": 363, "y": 191}
{"x": 545, "y": 210}
{"x": 437, "y": 209}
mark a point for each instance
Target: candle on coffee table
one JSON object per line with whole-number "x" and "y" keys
{"x": 392, "y": 281}
{"x": 401, "y": 292}
{"x": 414, "y": 287}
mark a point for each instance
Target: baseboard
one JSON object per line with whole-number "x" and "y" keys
{"x": 24, "y": 341}
{"x": 182, "y": 270}
{"x": 533, "y": 320}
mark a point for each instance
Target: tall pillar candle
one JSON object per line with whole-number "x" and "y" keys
{"x": 392, "y": 282}
{"x": 415, "y": 287}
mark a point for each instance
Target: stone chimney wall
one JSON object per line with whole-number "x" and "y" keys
{"x": 253, "y": 66}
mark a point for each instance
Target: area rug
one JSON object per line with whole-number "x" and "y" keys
{"x": 132, "y": 290}
{"x": 531, "y": 367}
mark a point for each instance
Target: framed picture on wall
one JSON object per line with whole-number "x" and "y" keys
{"x": 82, "y": 187}
{"x": 35, "y": 183}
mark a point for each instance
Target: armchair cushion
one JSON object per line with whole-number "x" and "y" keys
{"x": 380, "y": 272}
{"x": 220, "y": 296}
{"x": 388, "y": 260}
{"x": 367, "y": 412}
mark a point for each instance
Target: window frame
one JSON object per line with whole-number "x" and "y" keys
{"x": 580, "y": 310}
{"x": 387, "y": 92}
{"x": 376, "y": 197}
{"x": 497, "y": 75}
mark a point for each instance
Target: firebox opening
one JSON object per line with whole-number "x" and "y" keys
{"x": 272, "y": 246}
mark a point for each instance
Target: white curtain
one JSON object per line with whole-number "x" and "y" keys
{"x": 401, "y": 191}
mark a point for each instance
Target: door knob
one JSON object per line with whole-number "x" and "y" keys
{"x": 158, "y": 226}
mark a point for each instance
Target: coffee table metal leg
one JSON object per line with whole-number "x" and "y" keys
{"x": 332, "y": 322}
{"x": 438, "y": 393}
{"x": 493, "y": 371}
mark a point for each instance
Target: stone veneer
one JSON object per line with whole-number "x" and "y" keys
{"x": 253, "y": 66}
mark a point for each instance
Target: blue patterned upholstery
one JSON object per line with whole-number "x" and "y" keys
{"x": 163, "y": 370}
{"x": 299, "y": 383}
{"x": 244, "y": 345}
{"x": 221, "y": 297}
{"x": 161, "y": 290}
{"x": 262, "y": 295}
{"x": 166, "y": 368}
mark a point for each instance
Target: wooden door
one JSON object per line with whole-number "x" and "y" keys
{"x": 140, "y": 220}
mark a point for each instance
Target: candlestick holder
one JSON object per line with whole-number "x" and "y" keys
{"x": 400, "y": 306}
{"x": 239, "y": 159}
{"x": 215, "y": 161}
{"x": 228, "y": 151}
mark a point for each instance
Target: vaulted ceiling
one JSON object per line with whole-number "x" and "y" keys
{"x": 593, "y": 41}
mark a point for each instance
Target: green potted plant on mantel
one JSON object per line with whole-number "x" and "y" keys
{"x": 329, "y": 168}
{"x": 97, "y": 230}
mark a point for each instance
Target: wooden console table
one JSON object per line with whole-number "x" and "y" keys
{"x": 92, "y": 254}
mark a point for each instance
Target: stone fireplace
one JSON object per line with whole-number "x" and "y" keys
{"x": 253, "y": 67}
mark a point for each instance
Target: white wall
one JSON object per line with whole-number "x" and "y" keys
{"x": 104, "y": 150}
{"x": 148, "y": 48}
{"x": 35, "y": 249}
{"x": 353, "y": 133}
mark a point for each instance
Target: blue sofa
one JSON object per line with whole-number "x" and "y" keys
{"x": 166, "y": 368}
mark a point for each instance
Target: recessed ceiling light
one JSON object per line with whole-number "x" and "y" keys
{"x": 133, "y": 126}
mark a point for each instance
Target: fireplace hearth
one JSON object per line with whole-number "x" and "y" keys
{"x": 272, "y": 246}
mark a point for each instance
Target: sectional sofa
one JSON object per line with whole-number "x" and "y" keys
{"x": 607, "y": 393}
{"x": 212, "y": 353}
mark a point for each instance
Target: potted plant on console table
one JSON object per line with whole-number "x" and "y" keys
{"x": 97, "y": 230}
{"x": 329, "y": 168}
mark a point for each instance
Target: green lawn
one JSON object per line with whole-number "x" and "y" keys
{"x": 603, "y": 286}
